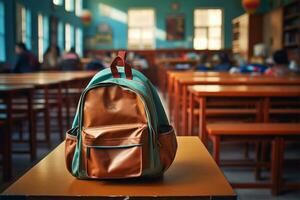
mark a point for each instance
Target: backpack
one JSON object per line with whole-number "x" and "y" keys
{"x": 120, "y": 129}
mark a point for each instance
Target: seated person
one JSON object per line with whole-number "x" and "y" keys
{"x": 281, "y": 62}
{"x": 221, "y": 62}
{"x": 238, "y": 62}
{"x": 256, "y": 66}
{"x": 51, "y": 58}
{"x": 69, "y": 61}
{"x": 26, "y": 61}
{"x": 94, "y": 65}
{"x": 202, "y": 66}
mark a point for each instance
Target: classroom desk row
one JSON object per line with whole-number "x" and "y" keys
{"x": 220, "y": 98}
{"x": 178, "y": 83}
{"x": 24, "y": 96}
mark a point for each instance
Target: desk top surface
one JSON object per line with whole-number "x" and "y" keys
{"x": 14, "y": 88}
{"x": 193, "y": 174}
{"x": 244, "y": 90}
{"x": 43, "y": 78}
{"x": 245, "y": 80}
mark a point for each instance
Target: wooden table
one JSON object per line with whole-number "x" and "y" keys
{"x": 7, "y": 94}
{"x": 195, "y": 176}
{"x": 200, "y": 94}
{"x": 62, "y": 81}
{"x": 181, "y": 92}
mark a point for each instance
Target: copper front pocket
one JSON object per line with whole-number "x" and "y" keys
{"x": 114, "y": 161}
{"x": 116, "y": 151}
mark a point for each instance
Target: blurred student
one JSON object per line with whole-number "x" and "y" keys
{"x": 26, "y": 61}
{"x": 70, "y": 61}
{"x": 221, "y": 62}
{"x": 202, "y": 66}
{"x": 281, "y": 62}
{"x": 51, "y": 57}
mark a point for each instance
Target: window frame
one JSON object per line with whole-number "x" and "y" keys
{"x": 69, "y": 36}
{"x": 61, "y": 35}
{"x": 43, "y": 35}
{"x": 71, "y": 7}
{"x": 78, "y": 9}
{"x": 79, "y": 41}
{"x": 207, "y": 27}
{"x": 3, "y": 33}
{"x": 142, "y": 46}
{"x": 23, "y": 25}
{"x": 60, "y": 3}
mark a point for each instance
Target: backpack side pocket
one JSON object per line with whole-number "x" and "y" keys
{"x": 70, "y": 146}
{"x": 168, "y": 146}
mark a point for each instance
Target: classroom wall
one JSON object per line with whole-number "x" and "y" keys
{"x": 36, "y": 6}
{"x": 231, "y": 8}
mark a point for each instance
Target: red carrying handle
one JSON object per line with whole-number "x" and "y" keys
{"x": 120, "y": 61}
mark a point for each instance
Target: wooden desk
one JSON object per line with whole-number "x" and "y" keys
{"x": 193, "y": 175}
{"x": 7, "y": 94}
{"x": 62, "y": 81}
{"x": 262, "y": 94}
{"x": 181, "y": 92}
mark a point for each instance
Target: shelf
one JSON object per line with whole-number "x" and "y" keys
{"x": 291, "y": 45}
{"x": 291, "y": 28}
{"x": 291, "y": 16}
{"x": 291, "y": 3}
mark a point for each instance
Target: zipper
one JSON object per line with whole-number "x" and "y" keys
{"x": 108, "y": 127}
{"x": 88, "y": 148}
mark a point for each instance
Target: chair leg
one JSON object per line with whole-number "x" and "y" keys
{"x": 258, "y": 159}
{"x": 277, "y": 165}
{"x": 246, "y": 150}
{"x": 216, "y": 149}
{"x": 21, "y": 131}
{"x": 47, "y": 128}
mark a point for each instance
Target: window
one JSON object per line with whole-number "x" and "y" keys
{"x": 58, "y": 2}
{"x": 79, "y": 38}
{"x": 24, "y": 25}
{"x": 69, "y": 37}
{"x": 60, "y": 36}
{"x": 141, "y": 26}
{"x": 208, "y": 29}
{"x": 43, "y": 35}
{"x": 2, "y": 33}
{"x": 78, "y": 7}
{"x": 69, "y": 5}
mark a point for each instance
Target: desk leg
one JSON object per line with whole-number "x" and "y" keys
{"x": 7, "y": 152}
{"x": 265, "y": 118}
{"x": 184, "y": 110}
{"x": 190, "y": 115}
{"x": 216, "y": 149}
{"x": 202, "y": 120}
{"x": 47, "y": 115}
{"x": 59, "y": 107}
{"x": 176, "y": 105}
{"x": 32, "y": 127}
{"x": 277, "y": 165}
{"x": 170, "y": 95}
{"x": 67, "y": 104}
{"x": 265, "y": 109}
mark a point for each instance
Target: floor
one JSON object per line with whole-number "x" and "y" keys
{"x": 22, "y": 163}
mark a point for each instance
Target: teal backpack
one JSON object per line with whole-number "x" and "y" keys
{"x": 120, "y": 129}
